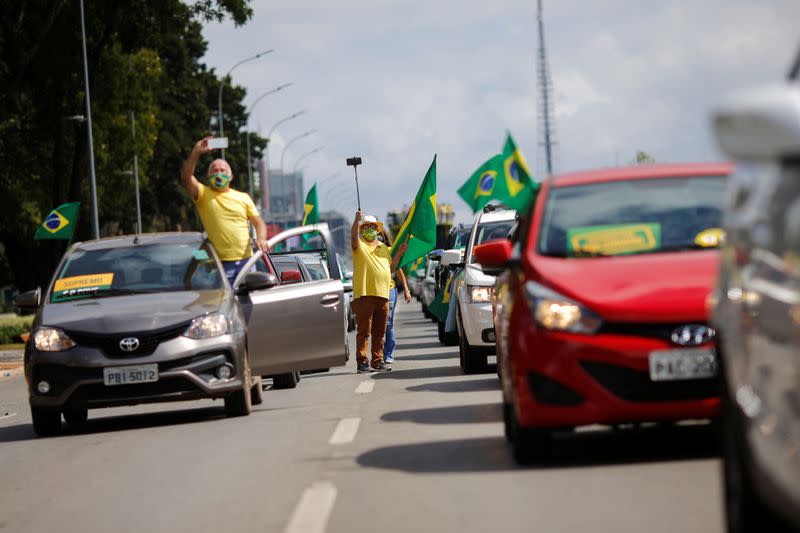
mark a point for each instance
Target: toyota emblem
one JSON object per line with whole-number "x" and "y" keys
{"x": 129, "y": 344}
{"x": 692, "y": 335}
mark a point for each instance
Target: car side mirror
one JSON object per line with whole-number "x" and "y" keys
{"x": 30, "y": 300}
{"x": 256, "y": 281}
{"x": 452, "y": 258}
{"x": 494, "y": 256}
{"x": 291, "y": 276}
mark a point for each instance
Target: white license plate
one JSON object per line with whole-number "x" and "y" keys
{"x": 125, "y": 375}
{"x": 690, "y": 363}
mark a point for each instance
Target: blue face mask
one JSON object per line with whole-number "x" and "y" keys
{"x": 219, "y": 181}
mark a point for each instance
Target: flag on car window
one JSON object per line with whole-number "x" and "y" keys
{"x": 481, "y": 185}
{"x": 311, "y": 208}
{"x": 515, "y": 188}
{"x": 60, "y": 223}
{"x": 441, "y": 302}
{"x": 420, "y": 223}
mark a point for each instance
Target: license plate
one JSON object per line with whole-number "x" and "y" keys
{"x": 692, "y": 363}
{"x": 125, "y": 375}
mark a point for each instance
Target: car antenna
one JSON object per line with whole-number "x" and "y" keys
{"x": 794, "y": 72}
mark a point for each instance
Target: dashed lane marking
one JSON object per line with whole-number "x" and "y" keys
{"x": 365, "y": 387}
{"x": 313, "y": 510}
{"x": 345, "y": 431}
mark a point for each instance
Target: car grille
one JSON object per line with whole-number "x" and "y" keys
{"x": 642, "y": 329}
{"x": 148, "y": 341}
{"x": 99, "y": 393}
{"x": 635, "y": 386}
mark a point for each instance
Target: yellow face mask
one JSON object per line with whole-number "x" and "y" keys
{"x": 369, "y": 234}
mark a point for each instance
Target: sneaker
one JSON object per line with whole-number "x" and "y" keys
{"x": 388, "y": 360}
{"x": 382, "y": 367}
{"x": 364, "y": 368}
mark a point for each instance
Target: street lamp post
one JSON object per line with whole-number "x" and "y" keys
{"x": 312, "y": 152}
{"x": 92, "y": 179}
{"x": 292, "y": 141}
{"x": 252, "y": 106}
{"x": 136, "y": 176}
{"x": 265, "y": 204}
{"x": 222, "y": 84}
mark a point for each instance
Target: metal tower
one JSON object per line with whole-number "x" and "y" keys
{"x": 545, "y": 108}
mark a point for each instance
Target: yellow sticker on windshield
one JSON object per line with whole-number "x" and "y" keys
{"x": 74, "y": 286}
{"x": 614, "y": 239}
{"x": 710, "y": 238}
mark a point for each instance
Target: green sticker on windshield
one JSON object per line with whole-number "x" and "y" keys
{"x": 614, "y": 239}
{"x": 200, "y": 255}
{"x": 78, "y": 286}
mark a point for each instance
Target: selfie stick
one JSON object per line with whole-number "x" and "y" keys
{"x": 354, "y": 162}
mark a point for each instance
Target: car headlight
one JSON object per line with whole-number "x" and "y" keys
{"x": 556, "y": 312}
{"x": 207, "y": 326}
{"x": 479, "y": 294}
{"x": 52, "y": 340}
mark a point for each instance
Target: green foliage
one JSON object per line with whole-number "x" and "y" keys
{"x": 643, "y": 158}
{"x": 12, "y": 328}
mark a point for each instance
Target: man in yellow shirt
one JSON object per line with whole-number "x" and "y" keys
{"x": 372, "y": 279}
{"x": 224, "y": 212}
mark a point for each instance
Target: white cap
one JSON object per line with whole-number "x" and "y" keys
{"x": 369, "y": 219}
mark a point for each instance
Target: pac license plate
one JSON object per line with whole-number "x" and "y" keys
{"x": 125, "y": 375}
{"x": 690, "y": 363}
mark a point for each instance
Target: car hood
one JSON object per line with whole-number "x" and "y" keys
{"x": 661, "y": 287}
{"x": 133, "y": 313}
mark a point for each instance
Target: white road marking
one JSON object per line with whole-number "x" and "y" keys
{"x": 364, "y": 387}
{"x": 313, "y": 510}
{"x": 7, "y": 416}
{"x": 345, "y": 431}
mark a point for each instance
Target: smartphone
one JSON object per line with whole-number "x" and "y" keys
{"x": 218, "y": 143}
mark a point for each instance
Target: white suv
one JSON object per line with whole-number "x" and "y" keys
{"x": 474, "y": 292}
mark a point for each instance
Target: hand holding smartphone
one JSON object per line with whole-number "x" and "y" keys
{"x": 218, "y": 143}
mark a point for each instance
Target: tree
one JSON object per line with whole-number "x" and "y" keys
{"x": 642, "y": 158}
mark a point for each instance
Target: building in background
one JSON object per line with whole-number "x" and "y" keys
{"x": 286, "y": 197}
{"x": 340, "y": 229}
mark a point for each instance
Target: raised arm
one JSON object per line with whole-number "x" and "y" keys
{"x": 188, "y": 180}
{"x": 401, "y": 251}
{"x": 354, "y": 231}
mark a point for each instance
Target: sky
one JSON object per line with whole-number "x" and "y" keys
{"x": 397, "y": 81}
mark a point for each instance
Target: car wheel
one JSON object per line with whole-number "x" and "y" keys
{"x": 46, "y": 423}
{"x": 76, "y": 417}
{"x": 240, "y": 403}
{"x": 472, "y": 361}
{"x": 297, "y": 376}
{"x": 425, "y": 311}
{"x": 257, "y": 392}
{"x": 441, "y": 333}
{"x": 284, "y": 381}
{"x": 529, "y": 445}
{"x": 744, "y": 508}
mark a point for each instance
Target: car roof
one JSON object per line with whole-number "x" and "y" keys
{"x": 127, "y": 241}
{"x": 635, "y": 172}
{"x": 497, "y": 216}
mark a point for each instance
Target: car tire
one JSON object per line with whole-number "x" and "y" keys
{"x": 425, "y": 311}
{"x": 284, "y": 381}
{"x": 45, "y": 423}
{"x": 440, "y": 333}
{"x": 529, "y": 445}
{"x": 473, "y": 361}
{"x": 76, "y": 417}
{"x": 257, "y": 392}
{"x": 745, "y": 510}
{"x": 240, "y": 403}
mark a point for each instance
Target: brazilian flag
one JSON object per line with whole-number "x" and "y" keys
{"x": 515, "y": 188}
{"x": 311, "y": 207}
{"x": 60, "y": 223}
{"x": 481, "y": 185}
{"x": 441, "y": 302}
{"x": 419, "y": 227}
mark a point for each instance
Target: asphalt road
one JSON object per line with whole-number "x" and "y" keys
{"x": 418, "y": 449}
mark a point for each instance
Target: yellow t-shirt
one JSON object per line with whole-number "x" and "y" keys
{"x": 371, "y": 270}
{"x": 225, "y": 218}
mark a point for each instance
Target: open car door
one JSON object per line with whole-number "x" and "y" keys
{"x": 298, "y": 326}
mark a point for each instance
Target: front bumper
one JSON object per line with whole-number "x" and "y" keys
{"x": 185, "y": 372}
{"x": 478, "y": 323}
{"x": 564, "y": 379}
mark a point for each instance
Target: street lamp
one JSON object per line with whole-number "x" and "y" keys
{"x": 222, "y": 84}
{"x": 252, "y": 106}
{"x": 92, "y": 180}
{"x": 275, "y": 126}
{"x": 314, "y": 151}
{"x": 292, "y": 141}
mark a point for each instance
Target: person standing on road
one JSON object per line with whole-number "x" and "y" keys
{"x": 391, "y": 338}
{"x": 372, "y": 277}
{"x": 223, "y": 211}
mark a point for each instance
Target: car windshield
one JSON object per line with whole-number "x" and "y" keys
{"x": 633, "y": 217}
{"x": 461, "y": 238}
{"x": 489, "y": 231}
{"x": 137, "y": 269}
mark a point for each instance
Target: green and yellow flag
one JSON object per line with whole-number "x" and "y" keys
{"x": 515, "y": 188}
{"x": 420, "y": 223}
{"x": 311, "y": 215}
{"x": 60, "y": 223}
{"x": 480, "y": 187}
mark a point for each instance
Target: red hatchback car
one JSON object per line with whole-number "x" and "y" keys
{"x": 600, "y": 310}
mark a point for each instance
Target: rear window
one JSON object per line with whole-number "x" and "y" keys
{"x": 490, "y": 231}
{"x": 137, "y": 269}
{"x": 633, "y": 217}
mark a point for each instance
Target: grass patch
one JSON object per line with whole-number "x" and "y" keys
{"x": 12, "y": 328}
